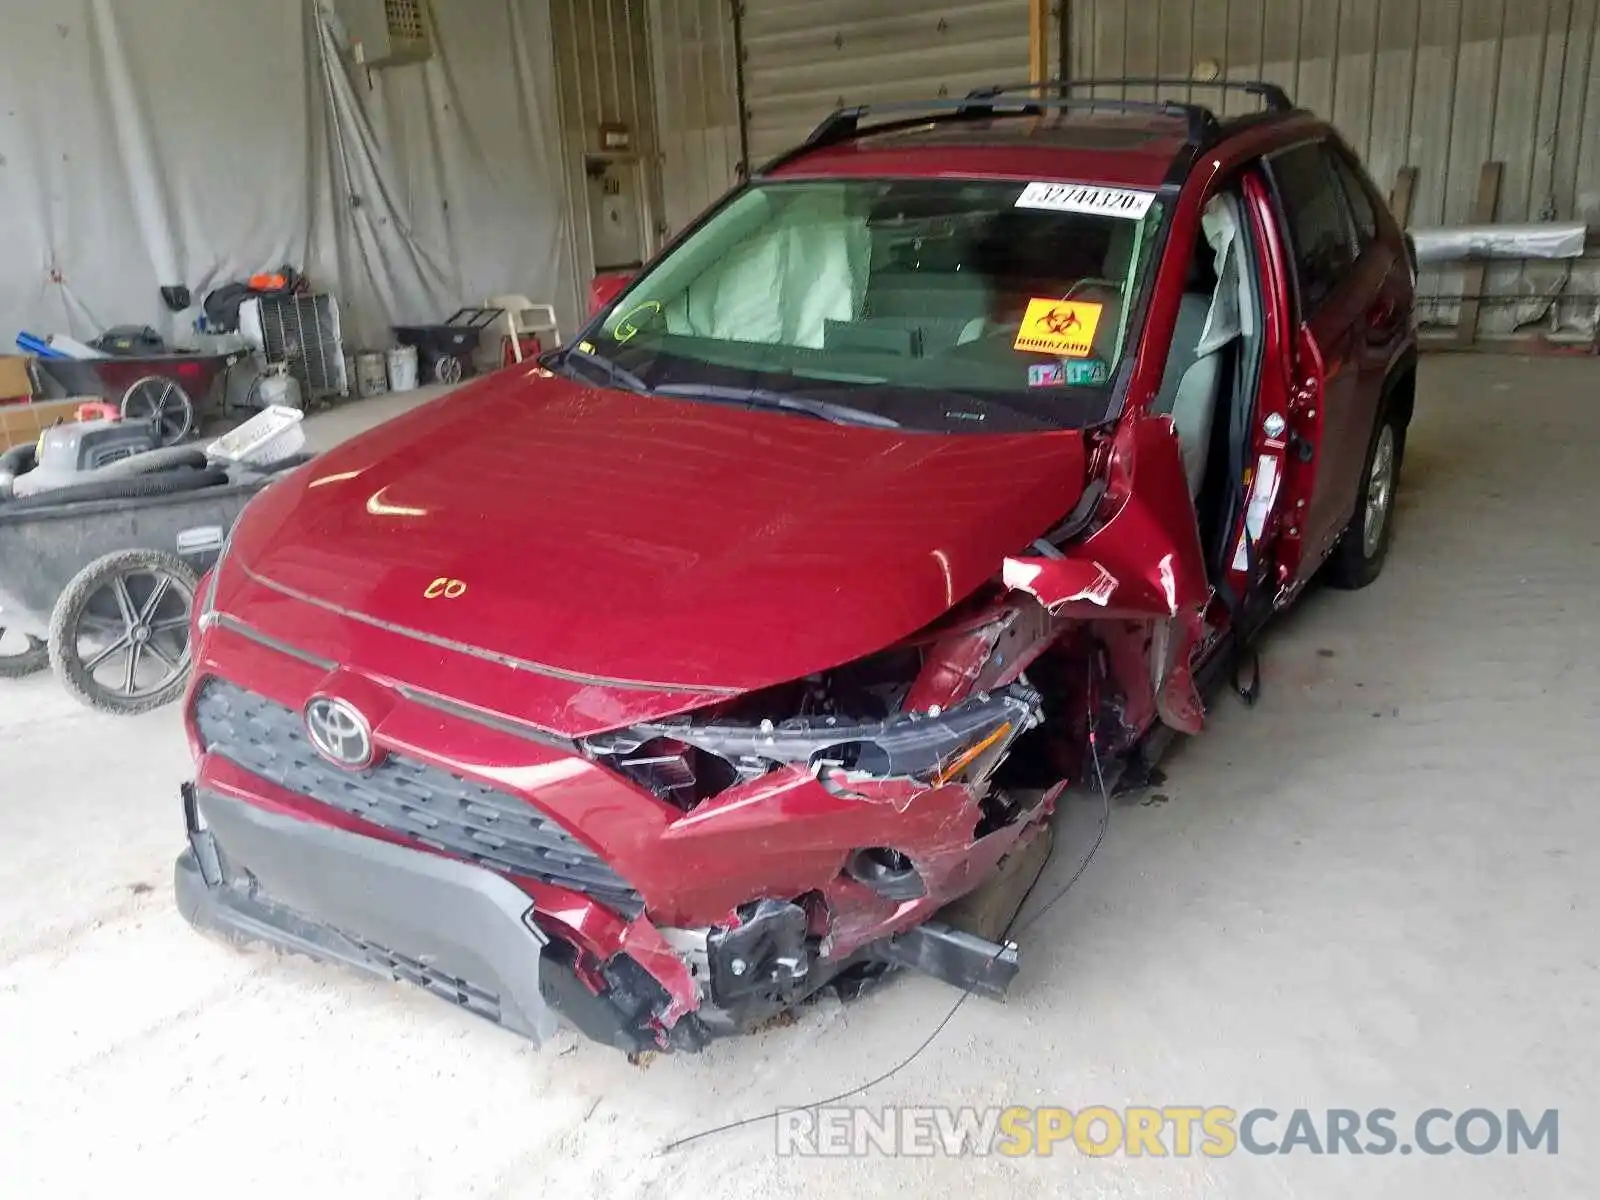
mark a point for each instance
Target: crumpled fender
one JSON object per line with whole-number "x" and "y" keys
{"x": 1144, "y": 563}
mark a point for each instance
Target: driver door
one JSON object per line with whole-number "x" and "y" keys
{"x": 1327, "y": 423}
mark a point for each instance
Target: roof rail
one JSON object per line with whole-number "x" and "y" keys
{"x": 845, "y": 123}
{"x": 1272, "y": 96}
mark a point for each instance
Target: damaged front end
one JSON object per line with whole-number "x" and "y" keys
{"x": 899, "y": 807}
{"x": 925, "y": 776}
{"x": 850, "y": 758}
{"x": 678, "y": 876}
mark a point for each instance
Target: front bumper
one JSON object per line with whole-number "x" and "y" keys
{"x": 460, "y": 931}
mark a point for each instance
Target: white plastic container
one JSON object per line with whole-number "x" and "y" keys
{"x": 402, "y": 368}
{"x": 272, "y": 434}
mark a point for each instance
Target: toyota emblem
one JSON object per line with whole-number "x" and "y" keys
{"x": 339, "y": 732}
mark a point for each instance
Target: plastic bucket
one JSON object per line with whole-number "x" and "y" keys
{"x": 372, "y": 373}
{"x": 402, "y": 368}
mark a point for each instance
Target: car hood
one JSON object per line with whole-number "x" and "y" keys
{"x": 641, "y": 540}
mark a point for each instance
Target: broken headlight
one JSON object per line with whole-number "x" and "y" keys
{"x": 685, "y": 760}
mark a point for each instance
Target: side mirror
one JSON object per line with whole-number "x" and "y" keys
{"x": 605, "y": 288}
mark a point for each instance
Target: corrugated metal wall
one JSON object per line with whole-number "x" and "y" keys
{"x": 804, "y": 58}
{"x": 1441, "y": 85}
{"x": 697, "y": 104}
{"x": 603, "y": 69}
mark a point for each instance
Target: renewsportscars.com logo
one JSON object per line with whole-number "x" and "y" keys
{"x": 1159, "y": 1132}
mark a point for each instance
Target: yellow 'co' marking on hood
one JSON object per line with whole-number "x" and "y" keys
{"x": 450, "y": 589}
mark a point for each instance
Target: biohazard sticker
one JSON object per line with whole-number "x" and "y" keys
{"x": 1076, "y": 197}
{"x": 1059, "y": 327}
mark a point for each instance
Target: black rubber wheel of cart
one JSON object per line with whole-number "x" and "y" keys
{"x": 119, "y": 635}
{"x": 447, "y": 369}
{"x": 158, "y": 401}
{"x": 21, "y": 654}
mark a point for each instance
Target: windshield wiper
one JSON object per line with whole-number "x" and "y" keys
{"x": 616, "y": 375}
{"x": 839, "y": 414}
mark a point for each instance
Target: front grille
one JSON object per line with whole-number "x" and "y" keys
{"x": 424, "y": 803}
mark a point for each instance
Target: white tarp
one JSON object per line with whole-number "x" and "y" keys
{"x": 189, "y": 142}
{"x": 1549, "y": 239}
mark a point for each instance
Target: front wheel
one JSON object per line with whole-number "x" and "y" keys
{"x": 119, "y": 635}
{"x": 1358, "y": 559}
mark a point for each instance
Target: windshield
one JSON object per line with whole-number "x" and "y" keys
{"x": 933, "y": 304}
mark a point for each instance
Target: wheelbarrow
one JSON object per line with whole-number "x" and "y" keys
{"x": 169, "y": 391}
{"x": 446, "y": 351}
{"x": 104, "y": 590}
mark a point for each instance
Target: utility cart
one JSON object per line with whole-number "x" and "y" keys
{"x": 447, "y": 351}
{"x": 171, "y": 391}
{"x": 101, "y": 583}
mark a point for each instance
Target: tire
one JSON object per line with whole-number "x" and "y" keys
{"x": 161, "y": 403}
{"x": 103, "y": 595}
{"x": 1358, "y": 558}
{"x": 135, "y": 487}
{"x": 149, "y": 462}
{"x": 31, "y": 657}
{"x": 447, "y": 368}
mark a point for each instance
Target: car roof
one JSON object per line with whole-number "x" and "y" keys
{"x": 1132, "y": 150}
{"x": 1092, "y": 139}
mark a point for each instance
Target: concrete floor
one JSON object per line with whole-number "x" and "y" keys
{"x": 1366, "y": 892}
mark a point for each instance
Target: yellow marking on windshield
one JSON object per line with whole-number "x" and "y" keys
{"x": 1059, "y": 327}
{"x": 626, "y": 326}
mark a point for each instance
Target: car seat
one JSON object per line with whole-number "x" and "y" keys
{"x": 1189, "y": 387}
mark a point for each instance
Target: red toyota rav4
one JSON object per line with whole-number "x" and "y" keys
{"x": 717, "y": 656}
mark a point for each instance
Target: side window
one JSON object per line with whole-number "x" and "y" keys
{"x": 1319, "y": 222}
{"x": 1357, "y": 192}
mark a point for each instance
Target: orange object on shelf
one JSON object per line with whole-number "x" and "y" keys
{"x": 98, "y": 410}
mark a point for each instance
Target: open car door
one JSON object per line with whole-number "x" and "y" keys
{"x": 1142, "y": 576}
{"x": 1333, "y": 284}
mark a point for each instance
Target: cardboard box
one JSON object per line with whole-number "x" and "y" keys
{"x": 23, "y": 423}
{"x": 15, "y": 381}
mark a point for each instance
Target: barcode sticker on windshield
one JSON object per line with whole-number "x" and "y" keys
{"x": 1076, "y": 197}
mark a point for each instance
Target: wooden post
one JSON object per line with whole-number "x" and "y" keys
{"x": 1038, "y": 40}
{"x": 1472, "y": 281}
{"x": 1405, "y": 189}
